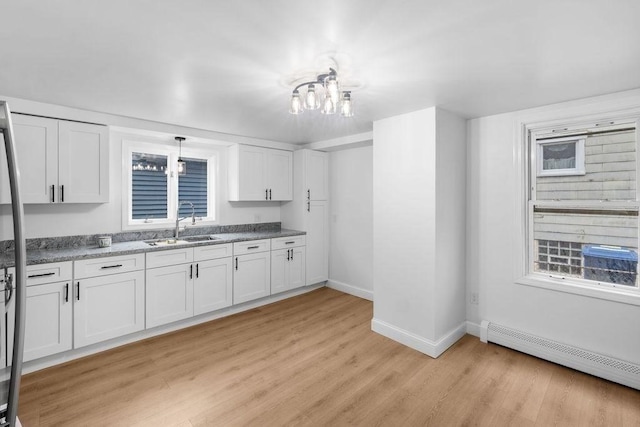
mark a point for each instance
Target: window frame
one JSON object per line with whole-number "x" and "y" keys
{"x": 527, "y": 167}
{"x": 130, "y": 146}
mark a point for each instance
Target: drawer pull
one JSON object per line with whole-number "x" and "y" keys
{"x": 31, "y": 276}
{"x": 253, "y": 247}
{"x": 111, "y": 266}
{"x": 289, "y": 243}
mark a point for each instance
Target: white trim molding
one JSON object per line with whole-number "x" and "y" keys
{"x": 473, "y": 329}
{"x": 416, "y": 342}
{"x": 350, "y": 289}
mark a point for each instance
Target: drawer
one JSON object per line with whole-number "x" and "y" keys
{"x": 95, "y": 267}
{"x": 48, "y": 273}
{"x": 251, "y": 246}
{"x": 203, "y": 253}
{"x": 287, "y": 242}
{"x": 170, "y": 257}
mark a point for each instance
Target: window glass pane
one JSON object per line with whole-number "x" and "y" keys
{"x": 589, "y": 244}
{"x": 149, "y": 186}
{"x": 559, "y": 156}
{"x": 610, "y": 169}
{"x": 192, "y": 187}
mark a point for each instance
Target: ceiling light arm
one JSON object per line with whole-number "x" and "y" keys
{"x": 319, "y": 80}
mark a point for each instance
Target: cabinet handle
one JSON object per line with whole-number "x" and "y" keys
{"x": 197, "y": 270}
{"x": 308, "y": 194}
{"x": 266, "y": 194}
{"x": 291, "y": 254}
{"x": 191, "y": 272}
{"x": 253, "y": 247}
{"x": 236, "y": 263}
{"x": 31, "y": 276}
{"x": 62, "y": 193}
{"x": 66, "y": 293}
{"x": 289, "y": 243}
{"x": 111, "y": 266}
{"x": 308, "y": 205}
{"x": 78, "y": 291}
{"x": 53, "y": 194}
{"x": 269, "y": 194}
{"x": 288, "y": 254}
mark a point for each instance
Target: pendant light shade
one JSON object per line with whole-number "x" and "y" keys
{"x": 296, "y": 103}
{"x": 182, "y": 165}
{"x": 346, "y": 106}
{"x": 311, "y": 100}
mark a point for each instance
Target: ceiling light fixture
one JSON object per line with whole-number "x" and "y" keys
{"x": 331, "y": 101}
{"x": 182, "y": 165}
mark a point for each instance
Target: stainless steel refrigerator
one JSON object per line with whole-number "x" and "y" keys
{"x": 14, "y": 285}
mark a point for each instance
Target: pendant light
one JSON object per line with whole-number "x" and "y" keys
{"x": 182, "y": 165}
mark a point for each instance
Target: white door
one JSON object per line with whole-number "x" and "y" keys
{"x": 84, "y": 163}
{"x": 317, "y": 175}
{"x": 297, "y": 263}
{"x": 252, "y": 173}
{"x": 36, "y": 140}
{"x": 251, "y": 277}
{"x": 317, "y": 227}
{"x": 107, "y": 307}
{"x": 213, "y": 286}
{"x": 169, "y": 295}
{"x": 279, "y": 270}
{"x": 48, "y": 321}
{"x": 280, "y": 174}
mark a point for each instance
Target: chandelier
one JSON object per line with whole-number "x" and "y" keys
{"x": 329, "y": 100}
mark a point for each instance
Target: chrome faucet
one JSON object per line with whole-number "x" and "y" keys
{"x": 178, "y": 219}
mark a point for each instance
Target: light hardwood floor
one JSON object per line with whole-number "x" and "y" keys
{"x": 313, "y": 360}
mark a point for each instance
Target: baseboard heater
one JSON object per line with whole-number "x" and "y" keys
{"x": 602, "y": 366}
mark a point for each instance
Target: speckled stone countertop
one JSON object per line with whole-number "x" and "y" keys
{"x": 68, "y": 249}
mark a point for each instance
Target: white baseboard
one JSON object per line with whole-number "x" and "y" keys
{"x": 350, "y": 289}
{"x": 56, "y": 359}
{"x": 416, "y": 342}
{"x": 473, "y": 329}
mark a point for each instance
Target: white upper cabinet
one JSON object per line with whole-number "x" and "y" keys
{"x": 316, "y": 174}
{"x": 257, "y": 173}
{"x": 59, "y": 161}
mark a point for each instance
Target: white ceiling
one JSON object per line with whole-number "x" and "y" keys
{"x": 224, "y": 65}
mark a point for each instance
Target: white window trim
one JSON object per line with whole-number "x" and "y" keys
{"x": 212, "y": 157}
{"x": 538, "y": 121}
{"x": 579, "y": 169}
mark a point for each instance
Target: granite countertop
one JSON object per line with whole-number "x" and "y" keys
{"x": 42, "y": 256}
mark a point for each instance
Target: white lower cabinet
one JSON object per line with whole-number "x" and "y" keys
{"x": 251, "y": 276}
{"x": 169, "y": 294}
{"x": 108, "y": 307}
{"x": 213, "y": 287}
{"x": 287, "y": 269}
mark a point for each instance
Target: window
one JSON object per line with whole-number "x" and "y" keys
{"x": 154, "y": 190}
{"x": 583, "y": 204}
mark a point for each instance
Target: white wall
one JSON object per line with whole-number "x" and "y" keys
{"x": 72, "y": 219}
{"x": 495, "y": 241}
{"x": 351, "y": 223}
{"x": 418, "y": 225}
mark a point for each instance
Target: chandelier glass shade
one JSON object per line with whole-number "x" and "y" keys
{"x": 330, "y": 99}
{"x": 182, "y": 165}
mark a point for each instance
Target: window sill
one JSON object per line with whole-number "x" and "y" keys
{"x": 602, "y": 292}
{"x": 160, "y": 224}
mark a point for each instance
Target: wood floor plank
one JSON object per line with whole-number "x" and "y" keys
{"x": 313, "y": 360}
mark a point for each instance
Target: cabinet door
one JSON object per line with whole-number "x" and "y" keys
{"x": 169, "y": 294}
{"x": 280, "y": 174}
{"x": 36, "y": 140}
{"x": 107, "y": 307}
{"x": 296, "y": 266}
{"x": 84, "y": 163}
{"x": 251, "y": 277}
{"x": 317, "y": 175}
{"x": 213, "y": 286}
{"x": 279, "y": 273}
{"x": 252, "y": 173}
{"x": 317, "y": 227}
{"x": 48, "y": 321}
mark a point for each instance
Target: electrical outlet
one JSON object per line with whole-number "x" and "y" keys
{"x": 475, "y": 298}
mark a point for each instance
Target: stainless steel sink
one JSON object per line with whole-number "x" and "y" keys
{"x": 181, "y": 241}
